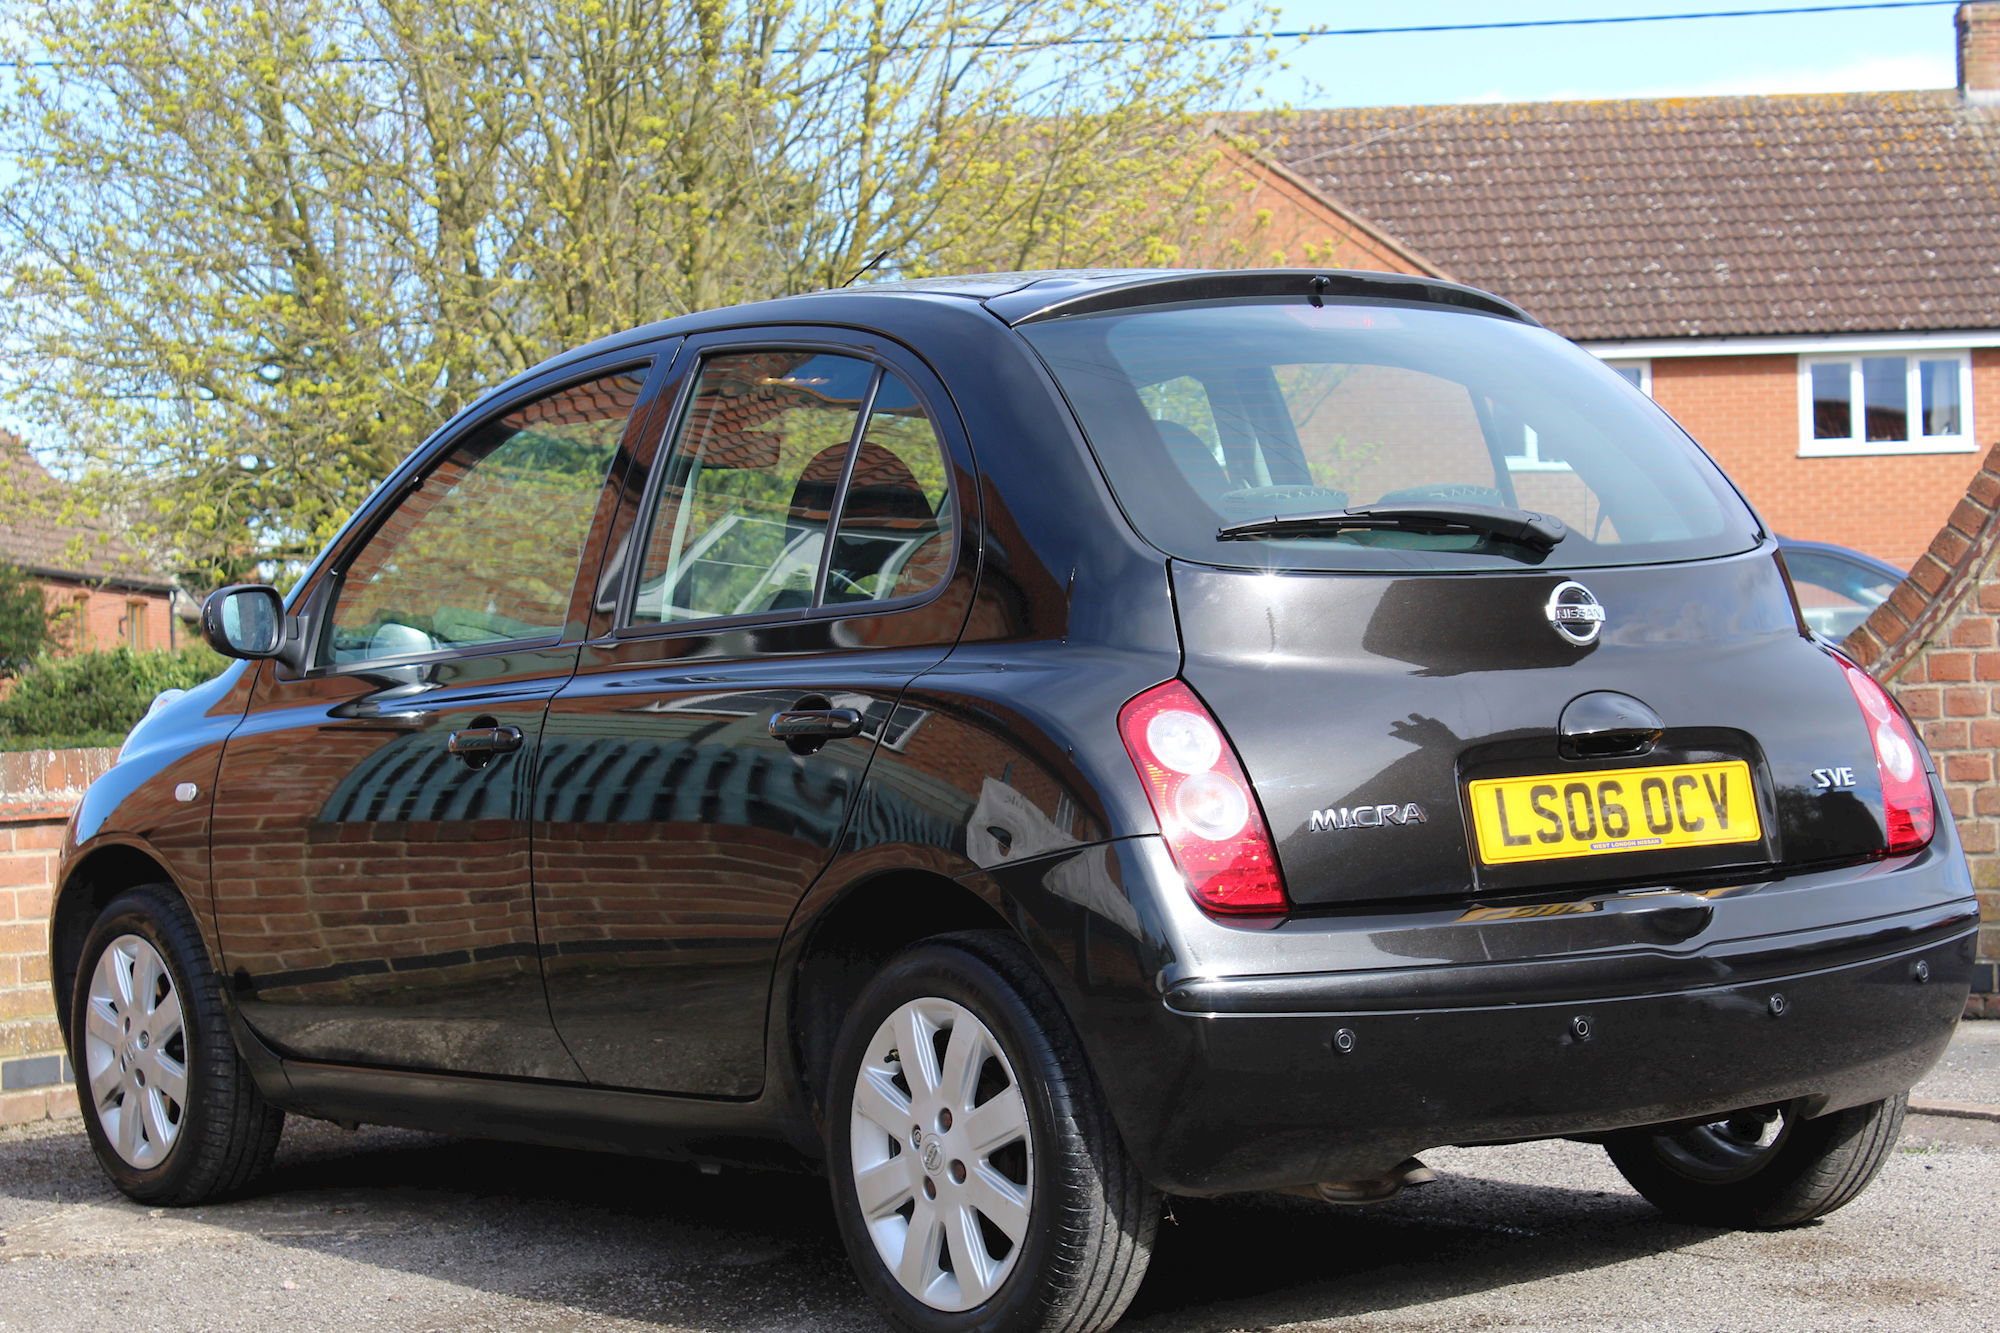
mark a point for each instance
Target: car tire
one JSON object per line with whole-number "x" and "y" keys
{"x": 1009, "y": 1119}
{"x": 1760, "y": 1171}
{"x": 171, "y": 1110}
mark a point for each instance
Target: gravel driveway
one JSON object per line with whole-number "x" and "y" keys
{"x": 390, "y": 1229}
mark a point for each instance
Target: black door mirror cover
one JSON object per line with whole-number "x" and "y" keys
{"x": 244, "y": 620}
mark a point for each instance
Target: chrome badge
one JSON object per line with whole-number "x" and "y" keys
{"x": 1575, "y": 612}
{"x": 1368, "y": 816}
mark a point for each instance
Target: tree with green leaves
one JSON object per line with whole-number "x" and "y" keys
{"x": 253, "y": 249}
{"x": 24, "y": 620}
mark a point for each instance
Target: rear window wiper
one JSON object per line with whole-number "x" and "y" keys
{"x": 1541, "y": 531}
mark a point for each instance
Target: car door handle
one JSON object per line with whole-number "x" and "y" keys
{"x": 478, "y": 741}
{"x": 819, "y": 724}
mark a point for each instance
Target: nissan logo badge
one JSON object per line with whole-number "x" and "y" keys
{"x": 1575, "y": 612}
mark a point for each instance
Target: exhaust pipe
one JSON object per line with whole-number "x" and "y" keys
{"x": 1375, "y": 1189}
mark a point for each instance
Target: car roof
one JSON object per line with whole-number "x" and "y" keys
{"x": 1840, "y": 552}
{"x": 1032, "y": 295}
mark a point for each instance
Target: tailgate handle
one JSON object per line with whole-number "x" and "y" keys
{"x": 1605, "y": 723}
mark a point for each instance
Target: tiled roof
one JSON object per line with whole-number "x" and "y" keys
{"x": 34, "y": 535}
{"x": 1816, "y": 213}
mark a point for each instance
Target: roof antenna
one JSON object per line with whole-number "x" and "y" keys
{"x": 1317, "y": 289}
{"x": 865, "y": 267}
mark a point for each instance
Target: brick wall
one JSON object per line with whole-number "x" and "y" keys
{"x": 1264, "y": 216}
{"x": 38, "y": 789}
{"x": 1936, "y": 644}
{"x": 1745, "y": 412}
{"x": 1979, "y": 52}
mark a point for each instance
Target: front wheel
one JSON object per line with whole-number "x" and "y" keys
{"x": 170, "y": 1108}
{"x": 978, "y": 1180}
{"x": 1760, "y": 1169}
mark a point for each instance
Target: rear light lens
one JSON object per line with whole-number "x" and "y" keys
{"x": 1202, "y": 799}
{"x": 1908, "y": 813}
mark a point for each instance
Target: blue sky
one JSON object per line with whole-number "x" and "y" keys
{"x": 1867, "y": 50}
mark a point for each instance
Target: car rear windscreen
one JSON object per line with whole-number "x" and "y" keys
{"x": 1216, "y": 414}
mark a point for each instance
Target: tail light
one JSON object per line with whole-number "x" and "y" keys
{"x": 1213, "y": 827}
{"x": 1908, "y": 814}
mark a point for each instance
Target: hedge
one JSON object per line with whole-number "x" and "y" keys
{"x": 94, "y": 698}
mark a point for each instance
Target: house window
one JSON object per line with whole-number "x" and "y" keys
{"x": 1639, "y": 374}
{"x": 77, "y": 630}
{"x": 1919, "y": 404}
{"x": 1530, "y": 458}
{"x": 132, "y": 628}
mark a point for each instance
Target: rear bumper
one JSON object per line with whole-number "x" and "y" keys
{"x": 1356, "y": 1042}
{"x": 1278, "y": 1102}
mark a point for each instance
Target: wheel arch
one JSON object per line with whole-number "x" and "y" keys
{"x": 849, "y": 940}
{"x": 88, "y": 886}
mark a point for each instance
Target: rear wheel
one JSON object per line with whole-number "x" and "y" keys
{"x": 978, "y": 1180}
{"x": 1760, "y": 1169}
{"x": 169, "y": 1106}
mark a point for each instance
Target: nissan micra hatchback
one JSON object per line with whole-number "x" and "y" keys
{"x": 1028, "y": 745}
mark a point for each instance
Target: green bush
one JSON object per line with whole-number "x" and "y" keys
{"x": 85, "y": 698}
{"x": 24, "y": 620}
{"x": 88, "y": 740}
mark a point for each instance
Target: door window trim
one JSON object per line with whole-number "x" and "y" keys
{"x": 695, "y": 357}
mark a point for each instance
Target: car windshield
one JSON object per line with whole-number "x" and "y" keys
{"x": 1217, "y": 415}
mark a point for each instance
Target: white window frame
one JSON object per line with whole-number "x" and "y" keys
{"x": 1643, "y": 365}
{"x": 1856, "y": 445}
{"x": 1530, "y": 458}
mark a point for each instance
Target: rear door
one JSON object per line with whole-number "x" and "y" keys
{"x": 370, "y": 832}
{"x": 799, "y": 553}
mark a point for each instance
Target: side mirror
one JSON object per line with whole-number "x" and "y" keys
{"x": 244, "y": 620}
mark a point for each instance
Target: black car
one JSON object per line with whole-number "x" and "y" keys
{"x": 1028, "y": 745}
{"x": 1837, "y": 586}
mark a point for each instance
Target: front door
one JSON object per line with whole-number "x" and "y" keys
{"x": 371, "y": 857}
{"x": 799, "y": 557}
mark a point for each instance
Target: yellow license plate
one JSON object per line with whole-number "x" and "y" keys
{"x": 1606, "y": 811}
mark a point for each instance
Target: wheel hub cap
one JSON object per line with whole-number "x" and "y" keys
{"x": 135, "y": 1052}
{"x": 942, "y": 1153}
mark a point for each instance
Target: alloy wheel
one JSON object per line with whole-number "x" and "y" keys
{"x": 135, "y": 1051}
{"x": 943, "y": 1154}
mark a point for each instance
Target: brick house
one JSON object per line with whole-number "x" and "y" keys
{"x": 1809, "y": 283}
{"x": 100, "y": 589}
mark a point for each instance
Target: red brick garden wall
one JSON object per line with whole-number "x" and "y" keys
{"x": 38, "y": 789}
{"x": 1936, "y": 644}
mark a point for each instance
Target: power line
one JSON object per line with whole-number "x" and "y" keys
{"x": 1002, "y": 43}
{"x": 1559, "y": 23}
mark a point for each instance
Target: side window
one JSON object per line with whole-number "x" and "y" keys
{"x": 894, "y": 538}
{"x": 485, "y": 549}
{"x": 754, "y": 481}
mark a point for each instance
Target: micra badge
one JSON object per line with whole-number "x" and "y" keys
{"x": 1367, "y": 816}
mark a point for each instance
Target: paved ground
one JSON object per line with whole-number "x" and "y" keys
{"x": 1970, "y": 1070}
{"x": 395, "y": 1230}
